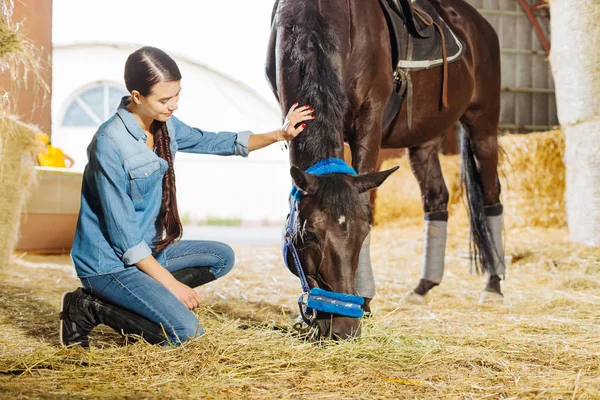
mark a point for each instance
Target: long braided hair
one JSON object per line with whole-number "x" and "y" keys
{"x": 145, "y": 68}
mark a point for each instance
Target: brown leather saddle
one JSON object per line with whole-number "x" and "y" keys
{"x": 420, "y": 40}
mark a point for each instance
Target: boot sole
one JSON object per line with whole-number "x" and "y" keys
{"x": 60, "y": 329}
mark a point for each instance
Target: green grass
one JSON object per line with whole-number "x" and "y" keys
{"x": 221, "y": 221}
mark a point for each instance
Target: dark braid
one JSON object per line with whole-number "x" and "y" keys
{"x": 145, "y": 68}
{"x": 168, "y": 220}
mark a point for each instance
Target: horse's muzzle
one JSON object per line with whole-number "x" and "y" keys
{"x": 337, "y": 327}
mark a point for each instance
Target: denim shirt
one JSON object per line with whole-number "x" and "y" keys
{"x": 121, "y": 192}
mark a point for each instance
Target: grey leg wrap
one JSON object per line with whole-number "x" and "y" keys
{"x": 434, "y": 251}
{"x": 495, "y": 225}
{"x": 364, "y": 281}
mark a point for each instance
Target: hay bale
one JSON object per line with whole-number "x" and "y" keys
{"x": 532, "y": 175}
{"x": 400, "y": 197}
{"x": 20, "y": 60}
{"x": 10, "y": 42}
{"x": 17, "y": 150}
{"x": 575, "y": 60}
{"x": 9, "y": 38}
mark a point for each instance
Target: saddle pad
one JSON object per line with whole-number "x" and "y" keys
{"x": 416, "y": 52}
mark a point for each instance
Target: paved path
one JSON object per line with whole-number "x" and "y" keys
{"x": 236, "y": 235}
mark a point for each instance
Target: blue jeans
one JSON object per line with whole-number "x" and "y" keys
{"x": 136, "y": 291}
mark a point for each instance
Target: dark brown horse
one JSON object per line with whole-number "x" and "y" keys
{"x": 336, "y": 56}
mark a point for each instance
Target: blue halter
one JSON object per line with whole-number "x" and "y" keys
{"x": 317, "y": 299}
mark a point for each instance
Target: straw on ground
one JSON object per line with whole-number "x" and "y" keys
{"x": 542, "y": 343}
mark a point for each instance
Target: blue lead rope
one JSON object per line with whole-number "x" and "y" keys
{"x": 317, "y": 299}
{"x": 289, "y": 246}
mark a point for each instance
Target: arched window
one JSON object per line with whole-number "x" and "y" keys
{"x": 94, "y": 106}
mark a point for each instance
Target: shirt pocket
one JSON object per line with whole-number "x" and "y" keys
{"x": 143, "y": 179}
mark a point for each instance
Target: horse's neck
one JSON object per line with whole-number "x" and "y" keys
{"x": 305, "y": 152}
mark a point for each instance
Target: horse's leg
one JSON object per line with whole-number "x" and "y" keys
{"x": 364, "y": 141}
{"x": 425, "y": 165}
{"x": 483, "y": 137}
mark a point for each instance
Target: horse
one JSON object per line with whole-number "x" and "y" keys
{"x": 335, "y": 56}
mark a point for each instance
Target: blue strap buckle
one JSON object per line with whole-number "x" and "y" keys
{"x": 346, "y": 305}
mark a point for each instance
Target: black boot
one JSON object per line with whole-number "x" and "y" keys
{"x": 194, "y": 276}
{"x": 81, "y": 312}
{"x": 74, "y": 325}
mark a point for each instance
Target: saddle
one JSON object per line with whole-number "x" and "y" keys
{"x": 420, "y": 40}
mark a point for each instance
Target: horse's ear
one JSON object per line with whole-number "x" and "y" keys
{"x": 307, "y": 183}
{"x": 370, "y": 181}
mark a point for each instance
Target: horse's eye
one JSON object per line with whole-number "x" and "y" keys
{"x": 310, "y": 237}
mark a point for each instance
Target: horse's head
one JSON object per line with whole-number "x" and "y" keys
{"x": 333, "y": 223}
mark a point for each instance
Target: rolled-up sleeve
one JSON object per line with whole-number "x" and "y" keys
{"x": 116, "y": 207}
{"x": 241, "y": 144}
{"x": 194, "y": 140}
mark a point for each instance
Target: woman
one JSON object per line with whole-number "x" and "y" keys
{"x": 137, "y": 276}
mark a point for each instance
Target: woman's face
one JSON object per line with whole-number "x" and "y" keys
{"x": 161, "y": 102}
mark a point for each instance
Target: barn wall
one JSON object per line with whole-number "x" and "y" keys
{"x": 528, "y": 100}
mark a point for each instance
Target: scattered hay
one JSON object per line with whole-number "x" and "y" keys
{"x": 542, "y": 343}
{"x": 532, "y": 175}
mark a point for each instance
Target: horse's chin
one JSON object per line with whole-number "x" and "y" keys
{"x": 344, "y": 328}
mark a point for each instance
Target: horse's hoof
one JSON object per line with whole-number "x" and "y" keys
{"x": 488, "y": 297}
{"x": 413, "y": 298}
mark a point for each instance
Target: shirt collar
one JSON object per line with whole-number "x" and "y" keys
{"x": 132, "y": 125}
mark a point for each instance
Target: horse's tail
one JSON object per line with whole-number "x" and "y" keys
{"x": 481, "y": 241}
{"x": 313, "y": 65}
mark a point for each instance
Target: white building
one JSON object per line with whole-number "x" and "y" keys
{"x": 86, "y": 90}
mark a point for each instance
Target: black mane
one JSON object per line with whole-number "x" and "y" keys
{"x": 312, "y": 51}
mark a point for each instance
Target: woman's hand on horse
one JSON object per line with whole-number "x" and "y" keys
{"x": 294, "y": 121}
{"x": 185, "y": 294}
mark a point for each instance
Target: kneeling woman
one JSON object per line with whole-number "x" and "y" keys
{"x": 137, "y": 276}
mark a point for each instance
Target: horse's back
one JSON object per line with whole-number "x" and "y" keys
{"x": 471, "y": 27}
